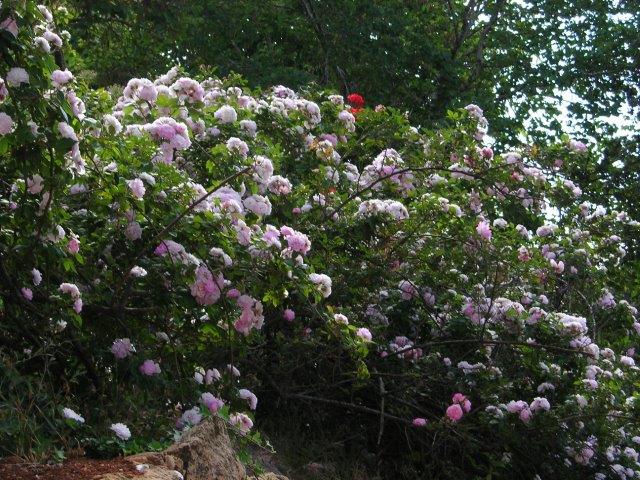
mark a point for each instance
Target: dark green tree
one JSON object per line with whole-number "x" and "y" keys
{"x": 427, "y": 57}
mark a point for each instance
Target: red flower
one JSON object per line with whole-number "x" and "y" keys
{"x": 356, "y": 100}
{"x": 355, "y": 111}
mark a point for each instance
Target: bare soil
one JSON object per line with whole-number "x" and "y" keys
{"x": 75, "y": 469}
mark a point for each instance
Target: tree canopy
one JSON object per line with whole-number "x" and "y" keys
{"x": 426, "y": 57}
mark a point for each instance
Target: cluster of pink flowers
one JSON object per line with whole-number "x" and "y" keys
{"x": 237, "y": 146}
{"x": 584, "y": 454}
{"x": 279, "y": 185}
{"x": 17, "y": 76}
{"x": 251, "y": 316}
{"x": 73, "y": 246}
{"x": 140, "y": 88}
{"x": 72, "y": 415}
{"x": 524, "y": 410}
{"x": 27, "y": 293}
{"x": 392, "y": 208}
{"x": 208, "y": 377}
{"x": 207, "y": 289}
{"x": 258, "y": 204}
{"x": 189, "y": 418}
{"x": 388, "y": 165}
{"x": 137, "y": 188}
{"x": 242, "y": 422}
{"x": 226, "y": 114}
{"x": 296, "y": 241}
{"x": 174, "y": 135}
{"x": 405, "y": 348}
{"x": 459, "y": 406}
{"x": 323, "y": 283}
{"x": 188, "y": 89}
{"x": 408, "y": 290}
{"x": 176, "y": 252}
{"x": 74, "y": 292}
{"x": 419, "y": 422}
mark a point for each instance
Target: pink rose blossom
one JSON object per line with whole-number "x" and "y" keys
{"x": 233, "y": 293}
{"x": 122, "y": 348}
{"x": 247, "y": 395}
{"x": 73, "y": 291}
{"x": 484, "y": 230}
{"x": 74, "y": 245}
{"x": 36, "y": 276}
{"x": 34, "y": 184}
{"x": 251, "y": 316}
{"x": 454, "y": 412}
{"x": 17, "y": 76}
{"x": 133, "y": 231}
{"x": 242, "y": 422}
{"x": 188, "y": 89}
{"x": 296, "y": 241}
{"x": 364, "y": 334}
{"x": 137, "y": 187}
{"x": 279, "y": 185}
{"x": 487, "y": 152}
{"x": 212, "y": 402}
{"x": 6, "y": 124}
{"x": 627, "y": 361}
{"x": 226, "y": 114}
{"x": 9, "y": 24}
{"x": 419, "y": 422}
{"x": 175, "y": 135}
{"x": 235, "y": 145}
{"x": 61, "y": 77}
{"x": 189, "y": 417}
{"x": 67, "y": 131}
{"x": 121, "y": 431}
{"x": 408, "y": 290}
{"x": 525, "y": 415}
{"x": 211, "y": 375}
{"x": 150, "y": 368}
{"x": 206, "y": 289}
{"x": 4, "y": 92}
{"x": 462, "y": 400}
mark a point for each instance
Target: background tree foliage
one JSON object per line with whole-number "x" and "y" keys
{"x": 427, "y": 57}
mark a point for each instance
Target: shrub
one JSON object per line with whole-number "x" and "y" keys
{"x": 170, "y": 252}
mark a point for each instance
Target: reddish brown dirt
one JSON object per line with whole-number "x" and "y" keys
{"x": 76, "y": 469}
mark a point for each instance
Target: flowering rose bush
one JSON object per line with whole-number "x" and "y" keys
{"x": 192, "y": 248}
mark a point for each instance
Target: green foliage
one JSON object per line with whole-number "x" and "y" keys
{"x": 442, "y": 293}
